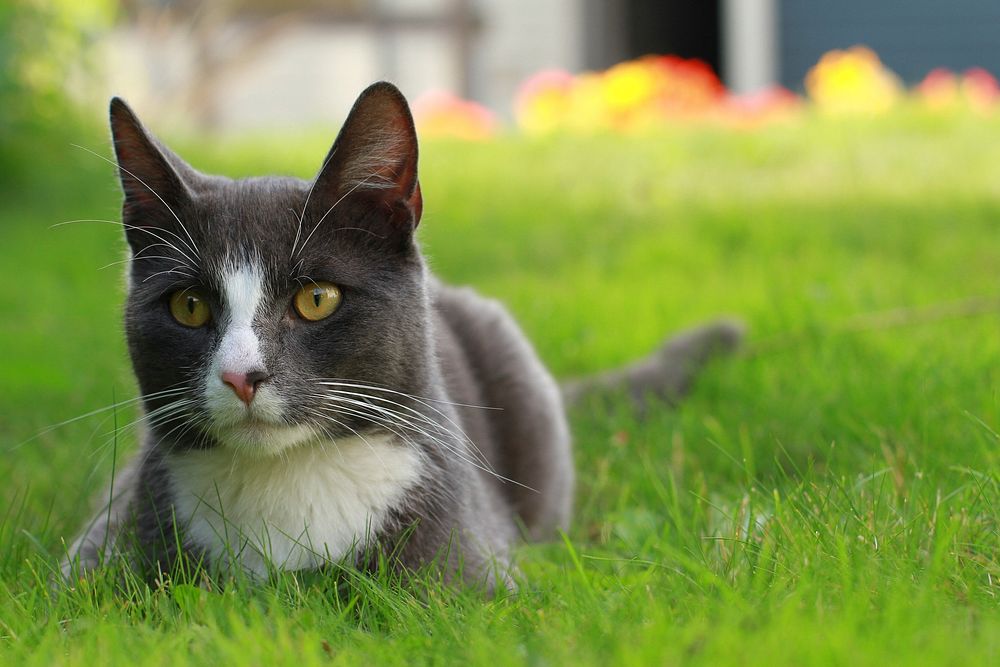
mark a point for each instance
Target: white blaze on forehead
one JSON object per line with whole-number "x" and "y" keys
{"x": 240, "y": 352}
{"x": 242, "y": 291}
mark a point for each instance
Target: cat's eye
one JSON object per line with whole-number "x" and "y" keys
{"x": 317, "y": 301}
{"x": 189, "y": 308}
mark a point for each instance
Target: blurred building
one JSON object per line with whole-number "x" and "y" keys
{"x": 911, "y": 36}
{"x": 245, "y": 64}
{"x": 755, "y": 43}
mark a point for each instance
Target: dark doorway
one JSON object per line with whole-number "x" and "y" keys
{"x": 617, "y": 31}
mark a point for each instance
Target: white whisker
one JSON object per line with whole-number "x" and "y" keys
{"x": 380, "y": 413}
{"x": 136, "y": 258}
{"x": 193, "y": 246}
{"x": 342, "y": 197}
{"x": 298, "y": 230}
{"x": 363, "y": 439}
{"x": 398, "y": 417}
{"x": 187, "y": 274}
{"x": 403, "y": 394}
{"x": 357, "y": 383}
{"x": 191, "y": 263}
{"x": 113, "y": 406}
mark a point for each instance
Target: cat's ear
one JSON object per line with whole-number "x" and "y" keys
{"x": 150, "y": 175}
{"x": 374, "y": 160}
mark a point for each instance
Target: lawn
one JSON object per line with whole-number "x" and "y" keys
{"x": 830, "y": 495}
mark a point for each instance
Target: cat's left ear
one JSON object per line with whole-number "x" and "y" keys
{"x": 374, "y": 161}
{"x": 150, "y": 174}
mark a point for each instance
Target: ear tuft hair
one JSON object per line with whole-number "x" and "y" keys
{"x": 152, "y": 184}
{"x": 375, "y": 153}
{"x": 148, "y": 178}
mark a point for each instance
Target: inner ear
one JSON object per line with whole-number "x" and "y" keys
{"x": 149, "y": 173}
{"x": 374, "y": 156}
{"x": 155, "y": 184}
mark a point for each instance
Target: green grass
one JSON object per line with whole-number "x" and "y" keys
{"x": 829, "y": 497}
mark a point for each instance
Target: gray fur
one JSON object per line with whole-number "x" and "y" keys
{"x": 439, "y": 349}
{"x": 667, "y": 373}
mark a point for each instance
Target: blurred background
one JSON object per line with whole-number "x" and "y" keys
{"x": 612, "y": 172}
{"x": 676, "y": 110}
{"x": 788, "y": 96}
{"x": 248, "y": 65}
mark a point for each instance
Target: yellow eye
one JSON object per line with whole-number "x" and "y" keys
{"x": 189, "y": 308}
{"x": 317, "y": 301}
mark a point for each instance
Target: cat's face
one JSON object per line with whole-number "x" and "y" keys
{"x": 245, "y": 297}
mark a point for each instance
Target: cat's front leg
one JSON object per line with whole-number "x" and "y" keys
{"x": 99, "y": 540}
{"x": 437, "y": 537}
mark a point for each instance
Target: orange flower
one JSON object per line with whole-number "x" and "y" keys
{"x": 651, "y": 90}
{"x": 686, "y": 86}
{"x": 633, "y": 95}
{"x": 441, "y": 114}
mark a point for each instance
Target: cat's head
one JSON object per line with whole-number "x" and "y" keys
{"x": 246, "y": 296}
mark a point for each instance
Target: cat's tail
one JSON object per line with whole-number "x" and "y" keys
{"x": 668, "y": 373}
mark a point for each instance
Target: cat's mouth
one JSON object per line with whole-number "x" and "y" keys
{"x": 257, "y": 424}
{"x": 257, "y": 436}
{"x": 246, "y": 418}
{"x": 264, "y": 412}
{"x": 256, "y": 421}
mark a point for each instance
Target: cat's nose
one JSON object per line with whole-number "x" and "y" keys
{"x": 244, "y": 385}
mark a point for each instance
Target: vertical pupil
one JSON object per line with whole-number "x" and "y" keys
{"x": 191, "y": 302}
{"x": 317, "y": 296}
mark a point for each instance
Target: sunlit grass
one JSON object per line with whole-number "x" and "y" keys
{"x": 831, "y": 495}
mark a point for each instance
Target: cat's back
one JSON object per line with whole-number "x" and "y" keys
{"x": 488, "y": 334}
{"x": 487, "y": 361}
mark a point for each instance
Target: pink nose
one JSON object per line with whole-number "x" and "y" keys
{"x": 244, "y": 385}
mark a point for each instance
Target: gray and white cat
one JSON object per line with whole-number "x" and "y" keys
{"x": 307, "y": 383}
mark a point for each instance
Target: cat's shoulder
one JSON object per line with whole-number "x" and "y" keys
{"x": 463, "y": 301}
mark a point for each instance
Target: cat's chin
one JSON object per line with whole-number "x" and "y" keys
{"x": 259, "y": 439}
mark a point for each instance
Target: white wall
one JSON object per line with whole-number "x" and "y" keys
{"x": 310, "y": 72}
{"x": 749, "y": 46}
{"x": 521, "y": 37}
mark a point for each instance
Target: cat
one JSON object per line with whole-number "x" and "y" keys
{"x": 312, "y": 394}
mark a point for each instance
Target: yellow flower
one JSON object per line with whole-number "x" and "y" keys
{"x": 852, "y": 81}
{"x": 543, "y": 102}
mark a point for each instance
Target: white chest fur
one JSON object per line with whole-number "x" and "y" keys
{"x": 311, "y": 504}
